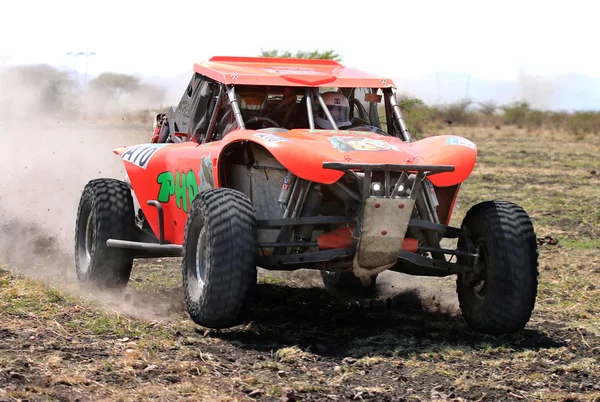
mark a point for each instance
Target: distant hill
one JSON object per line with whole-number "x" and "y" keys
{"x": 575, "y": 91}
{"x": 566, "y": 92}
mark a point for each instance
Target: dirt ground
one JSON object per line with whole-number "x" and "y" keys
{"x": 300, "y": 342}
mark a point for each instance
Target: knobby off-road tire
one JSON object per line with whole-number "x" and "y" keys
{"x": 105, "y": 212}
{"x": 219, "y": 258}
{"x": 347, "y": 283}
{"x": 502, "y": 298}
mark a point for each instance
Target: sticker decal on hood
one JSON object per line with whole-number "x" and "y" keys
{"x": 351, "y": 143}
{"x": 270, "y": 138}
{"x": 140, "y": 155}
{"x": 460, "y": 141}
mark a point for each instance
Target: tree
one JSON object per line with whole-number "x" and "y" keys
{"x": 114, "y": 85}
{"x": 488, "y": 107}
{"x": 36, "y": 89}
{"x": 301, "y": 54}
{"x": 111, "y": 94}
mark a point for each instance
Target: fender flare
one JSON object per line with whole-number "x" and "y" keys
{"x": 291, "y": 157}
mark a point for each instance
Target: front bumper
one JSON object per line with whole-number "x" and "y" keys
{"x": 388, "y": 205}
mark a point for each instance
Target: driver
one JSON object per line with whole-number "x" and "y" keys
{"x": 251, "y": 103}
{"x": 338, "y": 106}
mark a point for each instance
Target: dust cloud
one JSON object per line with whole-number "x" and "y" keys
{"x": 434, "y": 294}
{"x": 537, "y": 89}
{"x": 45, "y": 166}
{"x": 48, "y": 153}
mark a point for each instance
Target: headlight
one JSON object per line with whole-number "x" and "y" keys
{"x": 376, "y": 188}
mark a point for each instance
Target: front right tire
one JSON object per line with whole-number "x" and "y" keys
{"x": 500, "y": 298}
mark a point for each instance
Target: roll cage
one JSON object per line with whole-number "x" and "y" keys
{"x": 208, "y": 110}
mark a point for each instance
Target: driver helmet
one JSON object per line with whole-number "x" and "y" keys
{"x": 338, "y": 106}
{"x": 251, "y": 103}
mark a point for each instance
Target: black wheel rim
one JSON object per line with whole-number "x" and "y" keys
{"x": 85, "y": 241}
{"x": 196, "y": 275}
{"x": 478, "y": 281}
{"x": 89, "y": 238}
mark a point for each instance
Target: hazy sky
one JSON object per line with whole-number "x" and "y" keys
{"x": 400, "y": 39}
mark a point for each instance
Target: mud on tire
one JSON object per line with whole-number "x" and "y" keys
{"x": 219, "y": 258}
{"x": 502, "y": 297}
{"x": 105, "y": 212}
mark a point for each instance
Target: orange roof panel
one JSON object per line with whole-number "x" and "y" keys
{"x": 287, "y": 72}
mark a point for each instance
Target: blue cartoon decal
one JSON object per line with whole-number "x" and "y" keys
{"x": 205, "y": 175}
{"x": 460, "y": 141}
{"x": 351, "y": 143}
{"x": 270, "y": 138}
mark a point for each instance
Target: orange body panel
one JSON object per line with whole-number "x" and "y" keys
{"x": 451, "y": 208}
{"x": 174, "y": 173}
{"x": 304, "y": 151}
{"x": 339, "y": 238}
{"x": 409, "y": 244}
{"x": 287, "y": 72}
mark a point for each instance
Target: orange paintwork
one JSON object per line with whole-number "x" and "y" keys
{"x": 339, "y": 238}
{"x": 300, "y": 151}
{"x": 451, "y": 208}
{"x": 344, "y": 238}
{"x": 410, "y": 244}
{"x": 287, "y": 72}
{"x": 180, "y": 157}
{"x": 304, "y": 152}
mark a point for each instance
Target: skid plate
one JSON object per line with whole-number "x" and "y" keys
{"x": 385, "y": 221}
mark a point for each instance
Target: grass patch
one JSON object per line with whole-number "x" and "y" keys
{"x": 581, "y": 244}
{"x": 291, "y": 354}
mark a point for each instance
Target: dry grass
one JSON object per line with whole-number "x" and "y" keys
{"x": 61, "y": 347}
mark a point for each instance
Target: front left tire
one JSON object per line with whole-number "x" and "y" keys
{"x": 219, "y": 258}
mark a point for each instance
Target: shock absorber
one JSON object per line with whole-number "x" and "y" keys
{"x": 286, "y": 189}
{"x": 310, "y": 208}
{"x": 291, "y": 199}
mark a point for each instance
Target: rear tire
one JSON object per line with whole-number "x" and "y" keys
{"x": 105, "y": 212}
{"x": 219, "y": 258}
{"x": 501, "y": 298}
{"x": 348, "y": 284}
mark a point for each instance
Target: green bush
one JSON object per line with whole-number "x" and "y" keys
{"x": 534, "y": 119}
{"x": 416, "y": 114}
{"x": 584, "y": 122}
{"x": 516, "y": 113}
{"x": 488, "y": 108}
{"x": 457, "y": 112}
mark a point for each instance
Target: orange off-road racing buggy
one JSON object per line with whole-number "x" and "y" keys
{"x": 296, "y": 163}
